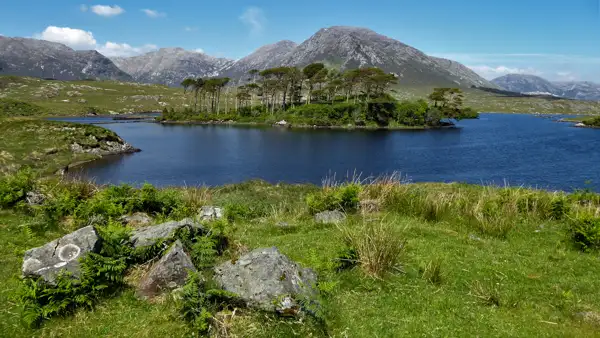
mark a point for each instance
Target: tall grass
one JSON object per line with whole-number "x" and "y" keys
{"x": 378, "y": 245}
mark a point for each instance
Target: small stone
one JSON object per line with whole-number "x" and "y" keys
{"x": 168, "y": 274}
{"x": 210, "y": 213}
{"x": 138, "y": 219}
{"x": 283, "y": 224}
{"x": 474, "y": 238}
{"x": 589, "y": 317}
{"x": 330, "y": 217}
{"x": 34, "y": 198}
{"x": 61, "y": 255}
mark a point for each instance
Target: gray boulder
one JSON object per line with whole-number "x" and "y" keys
{"x": 168, "y": 274}
{"x": 138, "y": 219}
{"x": 61, "y": 255}
{"x": 267, "y": 280}
{"x": 148, "y": 236}
{"x": 210, "y": 213}
{"x": 330, "y": 217}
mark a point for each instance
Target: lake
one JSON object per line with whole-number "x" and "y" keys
{"x": 513, "y": 149}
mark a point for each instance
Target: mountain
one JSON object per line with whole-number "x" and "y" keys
{"x": 534, "y": 84}
{"x": 265, "y": 57}
{"x": 352, "y": 47}
{"x": 170, "y": 66}
{"x": 39, "y": 58}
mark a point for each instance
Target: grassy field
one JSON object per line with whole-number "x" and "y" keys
{"x": 483, "y": 101}
{"x": 475, "y": 261}
{"x": 65, "y": 98}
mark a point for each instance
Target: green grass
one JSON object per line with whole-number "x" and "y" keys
{"x": 456, "y": 275}
{"x": 45, "y": 145}
{"x": 483, "y": 101}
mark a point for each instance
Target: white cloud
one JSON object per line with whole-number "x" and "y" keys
{"x": 490, "y": 72}
{"x": 254, "y": 18}
{"x": 83, "y": 8}
{"x": 107, "y": 11}
{"x": 72, "y": 37}
{"x": 154, "y": 14}
{"x": 80, "y": 39}
{"x": 199, "y": 50}
{"x": 190, "y": 29}
{"x": 111, "y": 49}
{"x": 566, "y": 76}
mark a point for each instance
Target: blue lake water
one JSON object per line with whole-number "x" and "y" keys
{"x": 501, "y": 149}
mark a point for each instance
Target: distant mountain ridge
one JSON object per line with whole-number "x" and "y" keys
{"x": 339, "y": 46}
{"x": 521, "y": 83}
{"x": 45, "y": 59}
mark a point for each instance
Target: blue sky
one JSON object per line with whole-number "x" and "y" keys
{"x": 559, "y": 40}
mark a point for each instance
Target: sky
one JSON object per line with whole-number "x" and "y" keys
{"x": 556, "y": 39}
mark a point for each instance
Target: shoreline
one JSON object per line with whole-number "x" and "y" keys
{"x": 298, "y": 126}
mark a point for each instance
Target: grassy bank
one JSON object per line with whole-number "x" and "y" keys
{"x": 425, "y": 259}
{"x": 46, "y": 146}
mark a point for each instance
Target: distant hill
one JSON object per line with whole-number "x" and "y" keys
{"x": 169, "y": 66}
{"x": 44, "y": 59}
{"x": 531, "y": 84}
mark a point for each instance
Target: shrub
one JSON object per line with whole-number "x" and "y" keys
{"x": 584, "y": 229}
{"x": 344, "y": 198}
{"x": 411, "y": 113}
{"x": 14, "y": 188}
{"x": 239, "y": 211}
{"x": 378, "y": 246}
{"x": 381, "y": 111}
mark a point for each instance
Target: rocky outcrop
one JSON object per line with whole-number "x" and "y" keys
{"x": 61, "y": 255}
{"x": 34, "y": 198}
{"x": 105, "y": 148}
{"x": 330, "y": 217}
{"x": 169, "y": 273}
{"x": 268, "y": 280}
{"x": 148, "y": 236}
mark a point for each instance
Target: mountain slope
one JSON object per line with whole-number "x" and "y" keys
{"x": 521, "y": 83}
{"x": 170, "y": 66}
{"x": 39, "y": 58}
{"x": 351, "y": 47}
{"x": 265, "y": 57}
{"x": 529, "y": 83}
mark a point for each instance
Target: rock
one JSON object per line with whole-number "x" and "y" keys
{"x": 77, "y": 148}
{"x": 267, "y": 280}
{"x": 210, "y": 213}
{"x": 580, "y": 125}
{"x": 168, "y": 274}
{"x": 138, "y": 219}
{"x": 282, "y": 123}
{"x": 82, "y": 101}
{"x": 34, "y": 198}
{"x": 589, "y": 317}
{"x": 148, "y": 236}
{"x": 330, "y": 217}
{"x": 51, "y": 151}
{"x": 60, "y": 255}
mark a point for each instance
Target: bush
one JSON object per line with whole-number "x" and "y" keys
{"x": 584, "y": 229}
{"x": 14, "y": 188}
{"x": 343, "y": 198}
{"x": 381, "y": 112}
{"x": 411, "y": 113}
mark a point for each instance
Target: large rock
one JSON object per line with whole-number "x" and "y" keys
{"x": 61, "y": 255}
{"x": 169, "y": 273}
{"x": 210, "y": 213}
{"x": 148, "y": 236}
{"x": 268, "y": 280}
{"x": 330, "y": 217}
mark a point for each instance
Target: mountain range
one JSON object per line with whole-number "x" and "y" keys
{"x": 339, "y": 46}
{"x": 531, "y": 84}
{"x": 44, "y": 59}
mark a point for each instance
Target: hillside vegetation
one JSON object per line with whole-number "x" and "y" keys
{"x": 22, "y": 96}
{"x": 410, "y": 259}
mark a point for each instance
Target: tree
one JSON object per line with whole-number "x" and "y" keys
{"x": 196, "y": 85}
{"x": 310, "y": 72}
{"x": 449, "y": 100}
